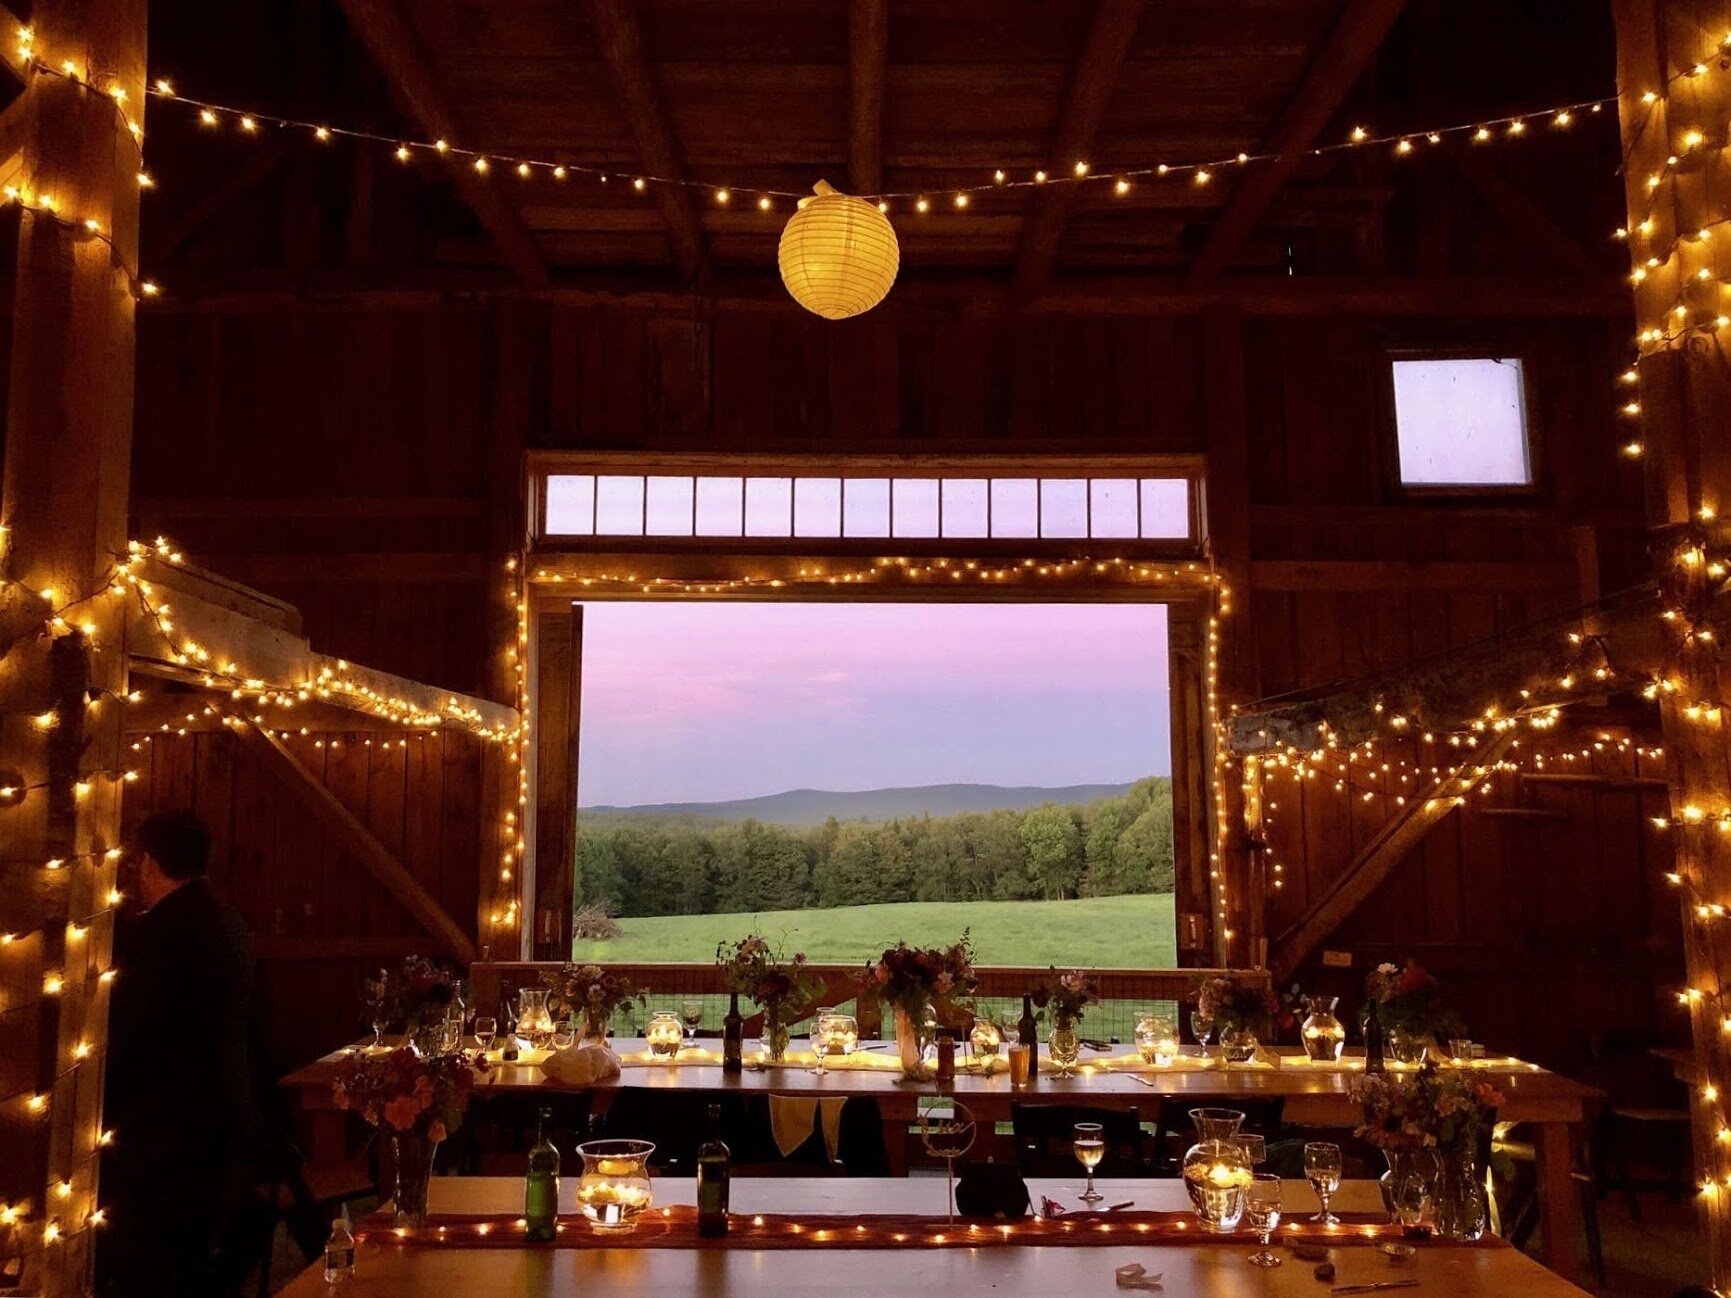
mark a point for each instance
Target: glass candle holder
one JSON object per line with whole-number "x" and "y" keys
{"x": 1323, "y": 1034}
{"x": 614, "y": 1190}
{"x": 665, "y": 1034}
{"x": 1156, "y": 1040}
{"x": 840, "y": 1034}
{"x": 987, "y": 1041}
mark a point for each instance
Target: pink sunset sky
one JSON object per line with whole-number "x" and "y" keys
{"x": 705, "y": 702}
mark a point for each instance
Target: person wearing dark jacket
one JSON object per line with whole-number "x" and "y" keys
{"x": 178, "y": 1090}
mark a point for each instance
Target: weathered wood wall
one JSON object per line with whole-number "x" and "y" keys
{"x": 337, "y": 458}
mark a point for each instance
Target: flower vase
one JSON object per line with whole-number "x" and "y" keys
{"x": 412, "y": 1154}
{"x": 423, "y": 1038}
{"x": 597, "y": 1030}
{"x": 1064, "y": 1047}
{"x": 1407, "y": 1165}
{"x": 911, "y": 1044}
{"x": 1461, "y": 1211}
{"x": 1237, "y": 1044}
{"x": 1323, "y": 1034}
{"x": 775, "y": 1038}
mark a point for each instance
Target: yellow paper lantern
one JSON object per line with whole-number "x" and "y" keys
{"x": 838, "y": 254}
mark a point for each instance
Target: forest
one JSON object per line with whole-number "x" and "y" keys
{"x": 680, "y": 866}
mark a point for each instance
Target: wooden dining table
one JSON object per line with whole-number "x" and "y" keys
{"x": 1314, "y": 1097}
{"x": 385, "y": 1268}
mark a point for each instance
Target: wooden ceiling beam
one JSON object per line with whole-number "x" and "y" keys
{"x": 1110, "y": 32}
{"x": 399, "y": 54}
{"x": 1357, "y": 35}
{"x": 868, "y": 41}
{"x": 211, "y": 203}
{"x": 1521, "y": 212}
{"x": 619, "y": 37}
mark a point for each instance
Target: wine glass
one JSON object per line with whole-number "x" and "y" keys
{"x": 691, "y": 1015}
{"x": 1255, "y": 1147}
{"x": 563, "y": 1034}
{"x": 819, "y": 1040}
{"x": 1322, "y": 1167}
{"x": 1262, "y": 1206}
{"x": 1203, "y": 1026}
{"x": 1408, "y": 1203}
{"x": 381, "y": 1019}
{"x": 486, "y": 1028}
{"x": 1089, "y": 1142}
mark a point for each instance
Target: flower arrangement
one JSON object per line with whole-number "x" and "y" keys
{"x": 402, "y": 1091}
{"x": 594, "y": 993}
{"x": 1408, "y": 999}
{"x": 783, "y": 989}
{"x": 424, "y": 988}
{"x": 1066, "y": 994}
{"x": 1236, "y": 1005}
{"x": 1433, "y": 1108}
{"x": 913, "y": 979}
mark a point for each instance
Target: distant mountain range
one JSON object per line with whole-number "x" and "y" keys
{"x": 801, "y": 807}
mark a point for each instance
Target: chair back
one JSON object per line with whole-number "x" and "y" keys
{"x": 1044, "y": 1132}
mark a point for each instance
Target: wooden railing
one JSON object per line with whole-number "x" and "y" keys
{"x": 1122, "y": 993}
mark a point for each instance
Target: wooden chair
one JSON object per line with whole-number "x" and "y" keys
{"x": 1044, "y": 1132}
{"x": 1646, "y": 1122}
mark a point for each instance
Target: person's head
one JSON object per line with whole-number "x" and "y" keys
{"x": 171, "y": 848}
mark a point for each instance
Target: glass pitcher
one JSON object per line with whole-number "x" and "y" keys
{"x": 1216, "y": 1170}
{"x": 534, "y": 1020}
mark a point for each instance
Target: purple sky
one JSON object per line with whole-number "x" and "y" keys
{"x": 704, "y": 702}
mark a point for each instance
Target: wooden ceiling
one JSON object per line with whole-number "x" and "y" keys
{"x": 911, "y": 97}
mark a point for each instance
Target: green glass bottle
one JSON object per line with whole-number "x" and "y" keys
{"x": 541, "y": 1187}
{"x": 713, "y": 1157}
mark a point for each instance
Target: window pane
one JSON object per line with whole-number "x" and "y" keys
{"x": 1112, "y": 507}
{"x": 1461, "y": 423}
{"x": 571, "y": 504}
{"x": 817, "y": 507}
{"x": 1166, "y": 509}
{"x": 866, "y": 507}
{"x": 619, "y": 506}
{"x": 916, "y": 507}
{"x": 964, "y": 506}
{"x": 669, "y": 507}
{"x": 720, "y": 506}
{"x": 769, "y": 506}
{"x": 1015, "y": 507}
{"x": 1063, "y": 507}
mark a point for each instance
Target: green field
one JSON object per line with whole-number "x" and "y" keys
{"x": 1128, "y": 932}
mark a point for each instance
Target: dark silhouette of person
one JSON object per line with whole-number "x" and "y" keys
{"x": 178, "y": 1093}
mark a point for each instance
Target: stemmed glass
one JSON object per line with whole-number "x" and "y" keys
{"x": 691, "y": 1015}
{"x": 1255, "y": 1147}
{"x": 1089, "y": 1142}
{"x": 381, "y": 1019}
{"x": 1262, "y": 1206}
{"x": 1322, "y": 1167}
{"x": 1203, "y": 1026}
{"x": 486, "y": 1028}
{"x": 819, "y": 1040}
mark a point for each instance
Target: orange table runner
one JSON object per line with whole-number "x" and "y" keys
{"x": 676, "y": 1227}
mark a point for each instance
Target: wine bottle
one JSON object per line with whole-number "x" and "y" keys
{"x": 1028, "y": 1033}
{"x": 541, "y": 1186}
{"x": 733, "y": 1039}
{"x": 712, "y": 1180}
{"x": 508, "y": 1037}
{"x": 1373, "y": 1040}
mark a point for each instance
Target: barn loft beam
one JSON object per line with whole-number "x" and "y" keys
{"x": 398, "y": 52}
{"x": 261, "y": 637}
{"x": 1521, "y": 212}
{"x": 1441, "y": 692}
{"x": 356, "y": 840}
{"x": 1351, "y": 45}
{"x": 620, "y": 39}
{"x": 1378, "y": 858}
{"x": 868, "y": 42}
{"x": 1110, "y": 31}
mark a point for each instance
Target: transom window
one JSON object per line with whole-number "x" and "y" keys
{"x": 866, "y": 507}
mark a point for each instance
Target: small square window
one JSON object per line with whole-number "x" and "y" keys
{"x": 667, "y": 510}
{"x": 1166, "y": 509}
{"x": 618, "y": 506}
{"x": 1112, "y": 507}
{"x": 1063, "y": 507}
{"x": 964, "y": 506}
{"x": 1461, "y": 423}
{"x": 720, "y": 506}
{"x": 1015, "y": 507}
{"x": 915, "y": 507}
{"x": 817, "y": 506}
{"x": 866, "y": 507}
{"x": 769, "y": 506}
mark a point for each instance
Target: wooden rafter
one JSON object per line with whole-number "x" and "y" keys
{"x": 1378, "y": 858}
{"x": 213, "y": 202}
{"x": 1110, "y": 31}
{"x": 619, "y": 37}
{"x": 1355, "y": 39}
{"x": 1520, "y": 211}
{"x": 868, "y": 42}
{"x": 355, "y": 839}
{"x": 398, "y": 52}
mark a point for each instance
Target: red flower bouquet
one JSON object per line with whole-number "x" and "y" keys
{"x": 912, "y": 979}
{"x": 1237, "y": 1006}
{"x": 594, "y": 993}
{"x": 1434, "y": 1108}
{"x": 1066, "y": 994}
{"x": 1408, "y": 999}
{"x": 401, "y": 1091}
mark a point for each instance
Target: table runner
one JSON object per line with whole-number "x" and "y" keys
{"x": 676, "y": 1227}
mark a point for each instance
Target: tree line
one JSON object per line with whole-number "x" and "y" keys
{"x": 662, "y": 866}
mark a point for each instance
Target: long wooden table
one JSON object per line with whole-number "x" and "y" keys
{"x": 1212, "y": 1270}
{"x": 1314, "y": 1097}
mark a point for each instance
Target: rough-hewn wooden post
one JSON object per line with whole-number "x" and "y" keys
{"x": 68, "y": 445}
{"x": 1675, "y": 84}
